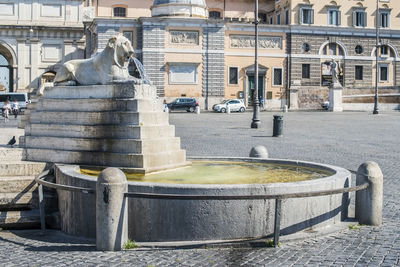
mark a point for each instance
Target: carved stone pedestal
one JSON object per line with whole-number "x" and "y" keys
{"x": 335, "y": 98}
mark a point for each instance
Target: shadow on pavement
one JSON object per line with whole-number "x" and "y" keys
{"x": 50, "y": 240}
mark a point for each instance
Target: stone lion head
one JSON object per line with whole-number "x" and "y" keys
{"x": 122, "y": 50}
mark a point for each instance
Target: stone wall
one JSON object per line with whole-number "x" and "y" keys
{"x": 350, "y": 73}
{"x": 213, "y": 61}
{"x": 312, "y": 98}
{"x": 152, "y": 54}
{"x": 315, "y": 71}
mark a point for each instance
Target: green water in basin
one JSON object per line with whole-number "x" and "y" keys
{"x": 226, "y": 172}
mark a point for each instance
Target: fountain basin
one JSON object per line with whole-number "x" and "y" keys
{"x": 153, "y": 220}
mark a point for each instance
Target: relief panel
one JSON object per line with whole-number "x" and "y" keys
{"x": 184, "y": 37}
{"x": 247, "y": 41}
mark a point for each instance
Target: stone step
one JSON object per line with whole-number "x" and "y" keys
{"x": 12, "y": 153}
{"x": 100, "y": 131}
{"x": 121, "y": 90}
{"x": 26, "y": 200}
{"x": 17, "y": 184}
{"x": 20, "y": 219}
{"x": 104, "y": 145}
{"x": 100, "y": 118}
{"x": 150, "y": 161}
{"x": 96, "y": 105}
{"x": 8, "y": 133}
{"x": 21, "y": 168}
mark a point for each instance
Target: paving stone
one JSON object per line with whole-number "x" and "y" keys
{"x": 342, "y": 139}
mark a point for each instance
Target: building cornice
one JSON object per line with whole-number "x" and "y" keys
{"x": 42, "y": 28}
{"x": 342, "y": 31}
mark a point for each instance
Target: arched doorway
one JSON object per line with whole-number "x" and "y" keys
{"x": 6, "y": 75}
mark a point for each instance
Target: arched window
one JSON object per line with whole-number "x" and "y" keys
{"x": 386, "y": 51}
{"x": 214, "y": 14}
{"x": 119, "y": 12}
{"x": 333, "y": 49}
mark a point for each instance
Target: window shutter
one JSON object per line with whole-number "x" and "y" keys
{"x": 364, "y": 19}
{"x": 312, "y": 16}
{"x": 354, "y": 18}
{"x": 300, "y": 16}
{"x": 339, "y": 18}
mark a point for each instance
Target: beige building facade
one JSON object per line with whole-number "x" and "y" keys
{"x": 195, "y": 55}
{"x": 298, "y": 39}
{"x": 35, "y": 38}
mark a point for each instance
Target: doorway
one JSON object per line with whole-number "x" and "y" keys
{"x": 251, "y": 87}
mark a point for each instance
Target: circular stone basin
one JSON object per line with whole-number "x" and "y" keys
{"x": 161, "y": 220}
{"x": 225, "y": 172}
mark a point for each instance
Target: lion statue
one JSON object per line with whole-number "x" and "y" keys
{"x": 108, "y": 66}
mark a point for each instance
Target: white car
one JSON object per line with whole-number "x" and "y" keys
{"x": 234, "y": 105}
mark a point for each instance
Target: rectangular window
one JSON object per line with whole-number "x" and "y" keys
{"x": 384, "y": 73}
{"x": 278, "y": 18}
{"x": 334, "y": 17}
{"x": 271, "y": 20}
{"x": 359, "y": 73}
{"x": 305, "y": 71}
{"x": 128, "y": 35}
{"x": 119, "y": 12}
{"x": 233, "y": 75}
{"x": 306, "y": 15}
{"x": 287, "y": 17}
{"x": 332, "y": 49}
{"x": 384, "y": 18}
{"x": 262, "y": 17}
{"x": 359, "y": 18}
{"x": 384, "y": 50}
{"x": 278, "y": 76}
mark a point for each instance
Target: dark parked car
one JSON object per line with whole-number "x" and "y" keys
{"x": 183, "y": 103}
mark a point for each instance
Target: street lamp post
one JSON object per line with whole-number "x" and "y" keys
{"x": 376, "y": 109}
{"x": 256, "y": 104}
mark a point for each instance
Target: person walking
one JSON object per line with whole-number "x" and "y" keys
{"x": 15, "y": 108}
{"x": 6, "y": 110}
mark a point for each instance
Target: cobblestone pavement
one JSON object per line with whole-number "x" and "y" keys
{"x": 343, "y": 139}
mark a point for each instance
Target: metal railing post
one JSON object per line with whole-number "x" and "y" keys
{"x": 277, "y": 225}
{"x": 41, "y": 208}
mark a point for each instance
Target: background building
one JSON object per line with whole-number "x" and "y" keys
{"x": 188, "y": 53}
{"x": 35, "y": 37}
{"x": 345, "y": 31}
{"x": 297, "y": 38}
{"x": 205, "y": 49}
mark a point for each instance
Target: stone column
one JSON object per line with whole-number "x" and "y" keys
{"x": 111, "y": 210}
{"x": 369, "y": 201}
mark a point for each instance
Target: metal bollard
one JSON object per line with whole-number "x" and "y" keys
{"x": 197, "y": 110}
{"x": 111, "y": 210}
{"x": 228, "y": 109}
{"x": 369, "y": 201}
{"x": 278, "y": 126}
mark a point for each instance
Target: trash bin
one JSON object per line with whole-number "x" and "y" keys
{"x": 278, "y": 126}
